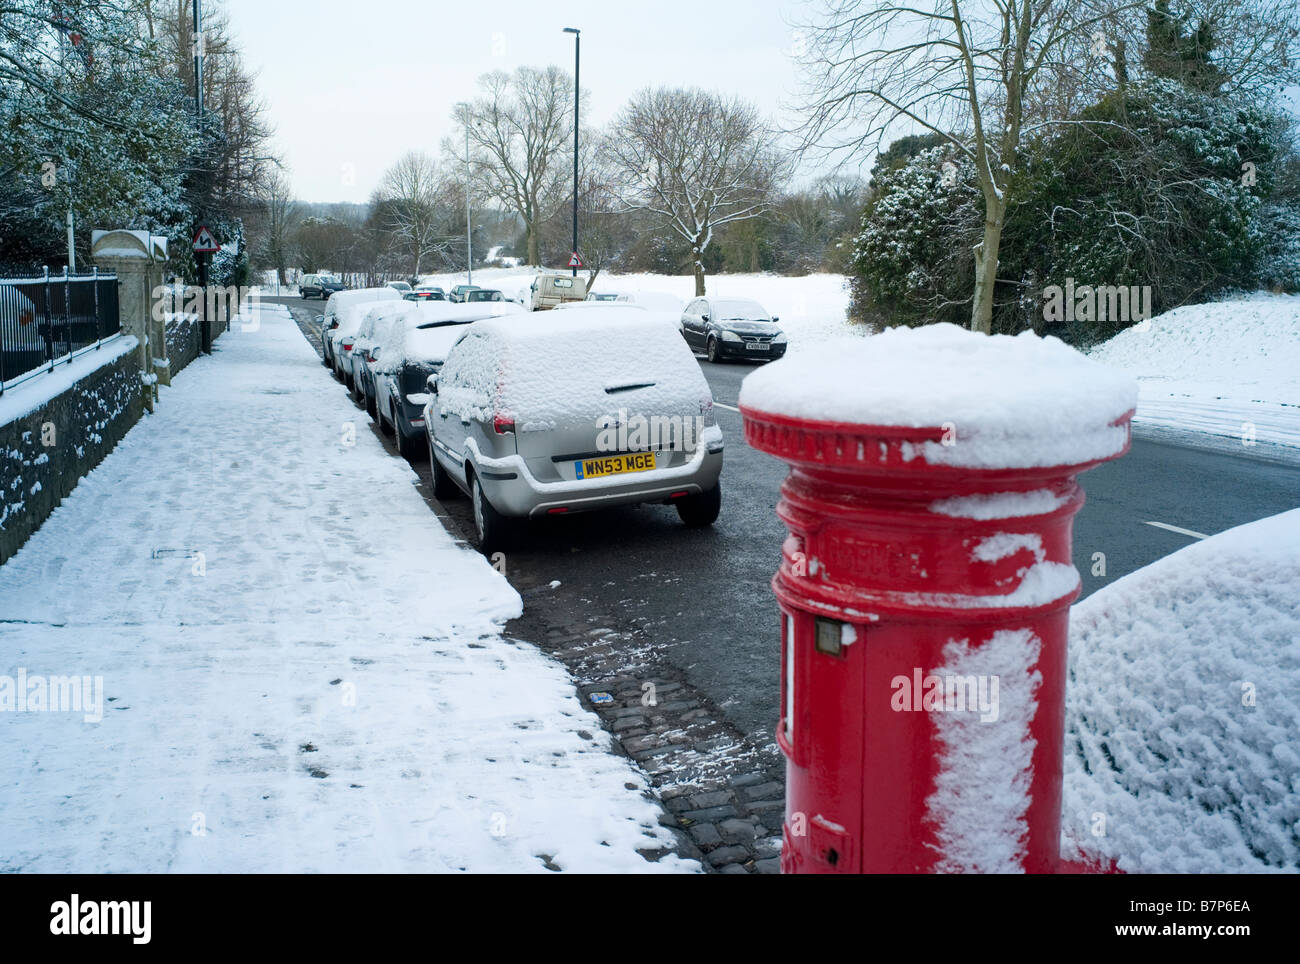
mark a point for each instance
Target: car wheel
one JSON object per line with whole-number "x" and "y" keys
{"x": 491, "y": 527}
{"x": 698, "y": 511}
{"x": 444, "y": 487}
{"x": 712, "y": 350}
{"x": 406, "y": 445}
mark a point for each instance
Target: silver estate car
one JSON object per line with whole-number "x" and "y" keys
{"x": 579, "y": 411}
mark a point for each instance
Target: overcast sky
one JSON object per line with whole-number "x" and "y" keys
{"x": 350, "y": 85}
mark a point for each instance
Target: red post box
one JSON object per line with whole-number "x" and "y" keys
{"x": 925, "y": 588}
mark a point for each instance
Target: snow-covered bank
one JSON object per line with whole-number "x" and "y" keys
{"x": 812, "y": 308}
{"x": 1228, "y": 368}
{"x": 301, "y": 670}
{"x": 1181, "y": 709}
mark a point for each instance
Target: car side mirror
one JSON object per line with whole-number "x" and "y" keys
{"x": 431, "y": 383}
{"x": 704, "y": 317}
{"x": 775, "y": 319}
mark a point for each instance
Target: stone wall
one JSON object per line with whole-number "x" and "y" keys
{"x": 183, "y": 341}
{"x": 45, "y": 453}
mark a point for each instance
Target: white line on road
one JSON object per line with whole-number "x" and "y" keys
{"x": 730, "y": 408}
{"x": 1179, "y": 530}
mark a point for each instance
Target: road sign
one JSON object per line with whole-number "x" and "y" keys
{"x": 204, "y": 242}
{"x": 575, "y": 261}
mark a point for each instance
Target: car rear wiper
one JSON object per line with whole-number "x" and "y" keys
{"x": 631, "y": 386}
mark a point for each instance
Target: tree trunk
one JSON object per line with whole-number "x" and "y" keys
{"x": 534, "y": 258}
{"x": 986, "y": 268}
{"x": 699, "y": 271}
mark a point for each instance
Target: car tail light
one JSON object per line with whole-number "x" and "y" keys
{"x": 347, "y": 346}
{"x": 503, "y": 425}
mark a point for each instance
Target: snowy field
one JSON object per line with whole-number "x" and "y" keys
{"x": 301, "y": 670}
{"x": 1228, "y": 368}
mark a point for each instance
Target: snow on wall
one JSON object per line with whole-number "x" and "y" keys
{"x": 67, "y": 422}
{"x": 981, "y": 793}
{"x": 1182, "y": 711}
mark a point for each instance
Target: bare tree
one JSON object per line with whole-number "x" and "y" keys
{"x": 279, "y": 211}
{"x": 962, "y": 69}
{"x": 409, "y": 194}
{"x": 696, "y": 160}
{"x": 520, "y": 133}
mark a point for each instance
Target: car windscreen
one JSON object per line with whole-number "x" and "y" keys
{"x": 739, "y": 311}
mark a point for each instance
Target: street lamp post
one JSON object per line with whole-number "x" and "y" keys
{"x": 577, "y": 90}
{"x": 469, "y": 247}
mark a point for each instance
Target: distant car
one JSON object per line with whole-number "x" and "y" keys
{"x": 401, "y": 286}
{"x": 602, "y": 296}
{"x": 414, "y": 348}
{"x": 549, "y": 290}
{"x": 459, "y": 293}
{"x": 732, "y": 328}
{"x": 319, "y": 286}
{"x": 530, "y": 422}
{"x": 426, "y": 293}
{"x": 483, "y": 294}
{"x": 329, "y": 321}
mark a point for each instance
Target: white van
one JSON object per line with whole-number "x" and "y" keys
{"x": 549, "y": 290}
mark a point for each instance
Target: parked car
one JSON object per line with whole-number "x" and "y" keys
{"x": 549, "y": 290}
{"x": 529, "y": 421}
{"x": 319, "y": 286}
{"x": 413, "y": 348}
{"x": 732, "y": 328}
{"x": 329, "y": 320}
{"x": 401, "y": 286}
{"x": 483, "y": 294}
{"x": 459, "y": 292}
{"x": 376, "y": 320}
{"x": 602, "y": 296}
{"x": 426, "y": 293}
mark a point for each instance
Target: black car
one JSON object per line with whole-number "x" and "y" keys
{"x": 426, "y": 293}
{"x": 319, "y": 286}
{"x": 732, "y": 328}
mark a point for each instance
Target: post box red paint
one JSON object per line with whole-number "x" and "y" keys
{"x": 905, "y": 586}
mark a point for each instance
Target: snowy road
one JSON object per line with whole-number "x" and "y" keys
{"x": 704, "y": 598}
{"x": 301, "y": 671}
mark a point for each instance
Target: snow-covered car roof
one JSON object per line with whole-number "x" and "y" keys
{"x": 578, "y": 365}
{"x": 598, "y": 305}
{"x": 358, "y": 296}
{"x": 653, "y": 300}
{"x": 424, "y": 332}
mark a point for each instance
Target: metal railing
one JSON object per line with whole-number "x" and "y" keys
{"x": 51, "y": 319}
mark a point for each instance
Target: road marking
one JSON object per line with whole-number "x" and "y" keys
{"x": 730, "y": 408}
{"x": 1179, "y": 530}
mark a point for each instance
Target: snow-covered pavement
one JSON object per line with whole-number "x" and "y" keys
{"x": 301, "y": 671}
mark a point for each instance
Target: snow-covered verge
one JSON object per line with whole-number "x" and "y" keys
{"x": 1182, "y": 710}
{"x": 300, "y": 669}
{"x": 812, "y": 308}
{"x": 1228, "y": 368}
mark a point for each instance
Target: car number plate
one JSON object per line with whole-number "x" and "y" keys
{"x": 759, "y": 346}
{"x": 615, "y": 465}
